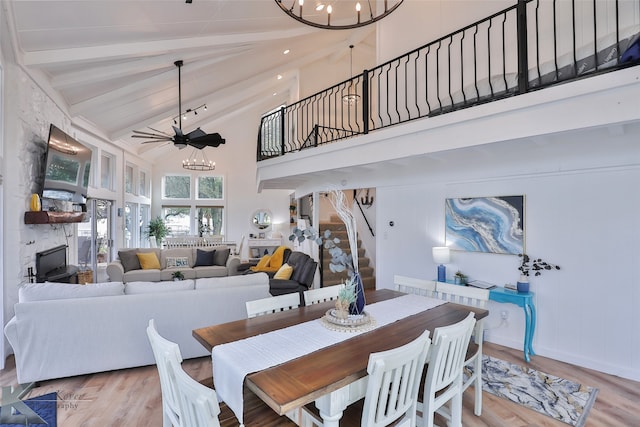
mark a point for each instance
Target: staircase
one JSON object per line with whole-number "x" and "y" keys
{"x": 329, "y": 278}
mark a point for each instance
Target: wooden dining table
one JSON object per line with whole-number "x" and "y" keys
{"x": 332, "y": 377}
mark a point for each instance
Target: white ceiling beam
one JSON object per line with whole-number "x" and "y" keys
{"x": 262, "y": 78}
{"x": 125, "y": 50}
{"x": 101, "y": 73}
{"x": 104, "y": 101}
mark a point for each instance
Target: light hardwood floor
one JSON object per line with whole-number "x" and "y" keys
{"x": 132, "y": 397}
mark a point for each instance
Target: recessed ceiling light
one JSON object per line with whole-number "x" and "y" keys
{"x": 319, "y": 6}
{"x": 279, "y": 76}
{"x": 275, "y": 93}
{"x": 286, "y": 51}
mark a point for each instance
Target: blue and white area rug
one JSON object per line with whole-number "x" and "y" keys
{"x": 555, "y": 397}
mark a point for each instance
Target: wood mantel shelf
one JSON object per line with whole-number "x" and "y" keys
{"x": 54, "y": 217}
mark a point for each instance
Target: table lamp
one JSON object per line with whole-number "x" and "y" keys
{"x": 441, "y": 256}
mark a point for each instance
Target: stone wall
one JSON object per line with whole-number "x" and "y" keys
{"x": 29, "y": 112}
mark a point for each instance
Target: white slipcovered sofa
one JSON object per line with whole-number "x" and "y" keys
{"x": 61, "y": 330}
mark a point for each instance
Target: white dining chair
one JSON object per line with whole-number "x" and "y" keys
{"x": 272, "y": 304}
{"x": 411, "y": 285}
{"x": 328, "y": 293}
{"x": 189, "y": 403}
{"x": 474, "y": 297}
{"x": 443, "y": 381}
{"x": 166, "y": 352}
{"x": 393, "y": 384}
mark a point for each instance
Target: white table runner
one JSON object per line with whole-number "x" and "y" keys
{"x": 233, "y": 361}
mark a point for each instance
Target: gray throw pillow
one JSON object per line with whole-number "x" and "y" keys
{"x": 221, "y": 257}
{"x": 129, "y": 260}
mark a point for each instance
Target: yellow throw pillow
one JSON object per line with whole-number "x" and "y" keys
{"x": 284, "y": 272}
{"x": 148, "y": 261}
{"x": 262, "y": 264}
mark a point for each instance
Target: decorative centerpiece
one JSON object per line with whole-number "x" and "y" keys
{"x": 177, "y": 276}
{"x": 528, "y": 265}
{"x": 341, "y": 317}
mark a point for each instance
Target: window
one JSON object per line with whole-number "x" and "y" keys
{"x": 128, "y": 179}
{"x": 210, "y": 187}
{"x": 209, "y": 220}
{"x": 176, "y": 187}
{"x": 144, "y": 186}
{"x": 106, "y": 171}
{"x": 130, "y": 237}
{"x": 145, "y": 217}
{"x": 178, "y": 219}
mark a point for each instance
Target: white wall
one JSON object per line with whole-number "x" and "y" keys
{"x": 583, "y": 218}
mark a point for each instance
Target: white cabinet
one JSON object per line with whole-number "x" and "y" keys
{"x": 260, "y": 247}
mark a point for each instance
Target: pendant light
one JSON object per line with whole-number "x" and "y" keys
{"x": 352, "y": 97}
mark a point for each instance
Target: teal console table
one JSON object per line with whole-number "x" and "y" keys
{"x": 524, "y": 300}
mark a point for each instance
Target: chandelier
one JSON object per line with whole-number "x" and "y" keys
{"x": 347, "y": 14}
{"x": 200, "y": 163}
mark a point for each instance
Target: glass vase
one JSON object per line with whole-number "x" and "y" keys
{"x": 357, "y": 307}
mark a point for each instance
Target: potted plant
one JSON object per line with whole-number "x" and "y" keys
{"x": 177, "y": 275}
{"x": 157, "y": 228}
{"x": 459, "y": 278}
{"x": 531, "y": 266}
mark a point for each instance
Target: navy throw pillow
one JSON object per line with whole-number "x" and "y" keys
{"x": 204, "y": 258}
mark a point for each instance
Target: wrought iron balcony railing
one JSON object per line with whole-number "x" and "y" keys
{"x": 528, "y": 46}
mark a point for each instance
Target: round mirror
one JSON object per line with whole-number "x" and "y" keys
{"x": 261, "y": 219}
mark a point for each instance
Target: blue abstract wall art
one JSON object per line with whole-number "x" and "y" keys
{"x": 485, "y": 224}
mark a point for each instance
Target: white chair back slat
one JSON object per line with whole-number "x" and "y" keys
{"x": 316, "y": 296}
{"x": 198, "y": 403}
{"x": 465, "y": 295}
{"x": 411, "y": 285}
{"x": 272, "y": 304}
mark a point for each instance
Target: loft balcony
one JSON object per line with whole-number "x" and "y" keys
{"x": 510, "y": 56}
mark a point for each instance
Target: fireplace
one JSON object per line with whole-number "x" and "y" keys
{"x": 51, "y": 266}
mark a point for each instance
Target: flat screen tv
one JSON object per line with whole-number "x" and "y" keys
{"x": 68, "y": 165}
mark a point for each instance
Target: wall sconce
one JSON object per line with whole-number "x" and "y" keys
{"x": 366, "y": 200}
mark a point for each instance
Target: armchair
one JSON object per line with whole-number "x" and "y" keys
{"x": 304, "y": 270}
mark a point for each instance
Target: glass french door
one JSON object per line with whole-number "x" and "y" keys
{"x": 95, "y": 238}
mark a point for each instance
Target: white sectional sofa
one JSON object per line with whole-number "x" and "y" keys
{"x": 61, "y": 330}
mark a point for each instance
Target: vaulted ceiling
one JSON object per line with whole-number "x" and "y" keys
{"x": 112, "y": 61}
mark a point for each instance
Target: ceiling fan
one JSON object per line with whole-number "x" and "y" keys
{"x": 196, "y": 138}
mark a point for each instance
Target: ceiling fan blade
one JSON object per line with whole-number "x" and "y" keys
{"x": 178, "y": 131}
{"x": 156, "y": 140}
{"x": 139, "y": 132}
{"x": 156, "y": 137}
{"x": 208, "y": 140}
{"x": 159, "y": 131}
{"x": 196, "y": 133}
